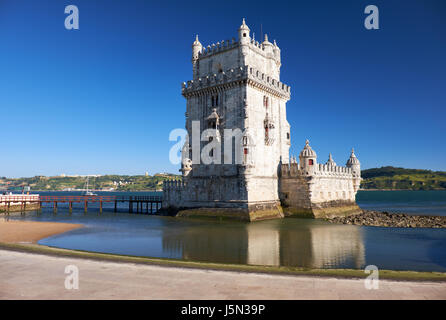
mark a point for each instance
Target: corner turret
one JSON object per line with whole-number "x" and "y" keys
{"x": 196, "y": 49}
{"x": 353, "y": 163}
{"x": 268, "y": 47}
{"x": 307, "y": 159}
{"x": 243, "y": 33}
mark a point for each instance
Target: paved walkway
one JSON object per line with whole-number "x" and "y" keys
{"x": 35, "y": 276}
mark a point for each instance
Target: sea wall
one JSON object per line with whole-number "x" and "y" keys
{"x": 328, "y": 191}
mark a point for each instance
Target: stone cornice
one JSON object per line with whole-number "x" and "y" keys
{"x": 235, "y": 77}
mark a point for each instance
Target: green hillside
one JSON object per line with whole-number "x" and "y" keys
{"x": 386, "y": 178}
{"x": 389, "y": 178}
{"x": 106, "y": 183}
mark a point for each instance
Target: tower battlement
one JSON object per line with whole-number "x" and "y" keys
{"x": 256, "y": 79}
{"x": 322, "y": 170}
{"x": 224, "y": 45}
{"x": 217, "y": 48}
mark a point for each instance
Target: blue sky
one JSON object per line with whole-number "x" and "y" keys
{"x": 103, "y": 99}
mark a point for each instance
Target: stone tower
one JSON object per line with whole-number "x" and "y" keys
{"x": 235, "y": 100}
{"x": 236, "y": 162}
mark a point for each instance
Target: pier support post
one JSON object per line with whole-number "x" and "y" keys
{"x": 151, "y": 207}
{"x": 55, "y": 207}
{"x": 100, "y": 206}
{"x": 85, "y": 206}
{"x": 116, "y": 205}
{"x": 130, "y": 205}
{"x": 9, "y": 206}
{"x": 70, "y": 207}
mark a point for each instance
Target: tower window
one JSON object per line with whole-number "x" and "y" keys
{"x": 211, "y": 153}
{"x": 288, "y": 135}
{"x": 310, "y": 162}
{"x": 244, "y": 35}
{"x": 214, "y": 101}
{"x": 212, "y": 125}
{"x": 265, "y": 101}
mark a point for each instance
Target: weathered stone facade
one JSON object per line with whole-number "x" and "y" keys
{"x": 236, "y": 100}
{"x": 319, "y": 190}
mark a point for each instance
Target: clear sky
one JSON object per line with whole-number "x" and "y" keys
{"x": 104, "y": 98}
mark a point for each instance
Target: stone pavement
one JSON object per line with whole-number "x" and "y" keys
{"x": 35, "y": 276}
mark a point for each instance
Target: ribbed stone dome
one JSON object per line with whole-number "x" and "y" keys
{"x": 196, "y": 42}
{"x": 307, "y": 152}
{"x": 244, "y": 26}
{"x": 352, "y": 160}
{"x": 330, "y": 161}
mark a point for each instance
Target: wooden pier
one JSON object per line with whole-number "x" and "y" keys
{"x": 154, "y": 202}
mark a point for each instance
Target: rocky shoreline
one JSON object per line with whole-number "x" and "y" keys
{"x": 395, "y": 220}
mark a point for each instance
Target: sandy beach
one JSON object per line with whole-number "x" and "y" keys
{"x": 13, "y": 231}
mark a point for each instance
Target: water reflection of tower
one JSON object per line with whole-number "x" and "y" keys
{"x": 300, "y": 243}
{"x": 337, "y": 245}
{"x": 263, "y": 246}
{"x": 218, "y": 243}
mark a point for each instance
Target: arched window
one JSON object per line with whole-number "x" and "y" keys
{"x": 310, "y": 162}
{"x": 211, "y": 153}
{"x": 214, "y": 101}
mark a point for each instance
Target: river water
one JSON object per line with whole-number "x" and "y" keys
{"x": 285, "y": 242}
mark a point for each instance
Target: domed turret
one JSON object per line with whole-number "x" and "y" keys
{"x": 307, "y": 158}
{"x": 196, "y": 48}
{"x": 243, "y": 33}
{"x": 276, "y": 51}
{"x": 353, "y": 163}
{"x": 267, "y": 46}
{"x": 330, "y": 161}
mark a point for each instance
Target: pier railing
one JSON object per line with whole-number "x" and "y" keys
{"x": 151, "y": 203}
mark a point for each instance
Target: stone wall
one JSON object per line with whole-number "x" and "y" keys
{"x": 326, "y": 192}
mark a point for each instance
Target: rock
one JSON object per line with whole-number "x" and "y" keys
{"x": 386, "y": 219}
